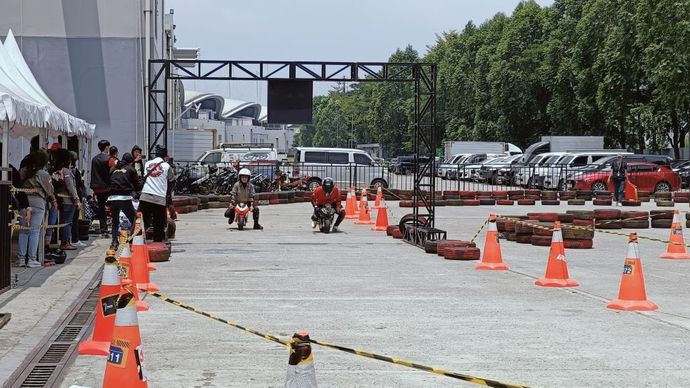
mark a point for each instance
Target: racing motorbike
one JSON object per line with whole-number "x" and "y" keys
{"x": 324, "y": 218}
{"x": 241, "y": 214}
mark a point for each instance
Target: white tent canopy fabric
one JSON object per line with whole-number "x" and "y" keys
{"x": 25, "y": 105}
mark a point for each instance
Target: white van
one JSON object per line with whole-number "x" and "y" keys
{"x": 347, "y": 166}
{"x": 243, "y": 153}
{"x": 555, "y": 176}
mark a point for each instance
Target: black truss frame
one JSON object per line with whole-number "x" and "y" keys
{"x": 423, "y": 75}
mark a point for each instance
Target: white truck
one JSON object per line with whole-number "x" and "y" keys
{"x": 479, "y": 147}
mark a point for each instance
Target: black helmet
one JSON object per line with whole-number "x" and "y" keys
{"x": 327, "y": 185}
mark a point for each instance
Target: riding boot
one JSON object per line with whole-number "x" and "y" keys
{"x": 255, "y": 216}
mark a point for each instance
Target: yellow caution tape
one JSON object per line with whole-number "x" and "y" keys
{"x": 362, "y": 353}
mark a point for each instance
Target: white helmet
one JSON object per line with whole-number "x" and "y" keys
{"x": 245, "y": 171}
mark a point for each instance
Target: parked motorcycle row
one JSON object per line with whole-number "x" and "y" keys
{"x": 191, "y": 179}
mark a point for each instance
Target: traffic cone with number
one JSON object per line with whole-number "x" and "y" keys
{"x": 364, "y": 216}
{"x": 108, "y": 293}
{"x": 632, "y": 295}
{"x": 379, "y": 198}
{"x": 492, "y": 259}
{"x": 381, "y": 218}
{"x": 350, "y": 206}
{"x": 301, "y": 372}
{"x": 676, "y": 244}
{"x": 139, "y": 272}
{"x": 125, "y": 365}
{"x": 557, "y": 267}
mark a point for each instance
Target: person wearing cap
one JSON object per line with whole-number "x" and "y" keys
{"x": 100, "y": 183}
{"x": 618, "y": 170}
{"x": 158, "y": 176}
{"x": 123, "y": 182}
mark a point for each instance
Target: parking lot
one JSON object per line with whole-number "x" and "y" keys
{"x": 365, "y": 290}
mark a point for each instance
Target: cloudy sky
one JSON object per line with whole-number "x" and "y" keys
{"x": 322, "y": 30}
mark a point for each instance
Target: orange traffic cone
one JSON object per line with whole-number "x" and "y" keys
{"x": 350, "y": 205}
{"x": 125, "y": 366}
{"x": 139, "y": 225}
{"x": 632, "y": 295}
{"x": 139, "y": 272}
{"x": 676, "y": 244}
{"x": 301, "y": 372}
{"x": 364, "y": 216}
{"x": 381, "y": 218}
{"x": 491, "y": 255}
{"x": 108, "y": 293}
{"x": 557, "y": 267}
{"x": 363, "y": 200}
{"x": 629, "y": 191}
{"x": 379, "y": 198}
{"x": 125, "y": 270}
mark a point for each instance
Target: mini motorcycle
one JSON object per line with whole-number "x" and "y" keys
{"x": 324, "y": 218}
{"x": 241, "y": 214}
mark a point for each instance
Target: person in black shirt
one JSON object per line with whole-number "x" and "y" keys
{"x": 123, "y": 182}
{"x": 618, "y": 170}
{"x": 100, "y": 183}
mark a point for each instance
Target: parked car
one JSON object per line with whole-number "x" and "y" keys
{"x": 646, "y": 176}
{"x": 525, "y": 173}
{"x": 345, "y": 165}
{"x": 444, "y": 169}
{"x": 500, "y": 173}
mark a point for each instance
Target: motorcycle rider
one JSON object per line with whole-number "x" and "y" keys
{"x": 243, "y": 192}
{"x": 324, "y": 195}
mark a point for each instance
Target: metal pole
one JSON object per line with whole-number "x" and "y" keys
{"x": 147, "y": 69}
{"x": 6, "y": 148}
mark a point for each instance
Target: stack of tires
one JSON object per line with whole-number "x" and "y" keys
{"x": 602, "y": 198}
{"x": 550, "y": 198}
{"x": 661, "y": 219}
{"x": 663, "y": 199}
{"x": 635, "y": 219}
{"x": 681, "y": 197}
{"x": 184, "y": 205}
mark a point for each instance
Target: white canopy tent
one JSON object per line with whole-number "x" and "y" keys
{"x": 25, "y": 109}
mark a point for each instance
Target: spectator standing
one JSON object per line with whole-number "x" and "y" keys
{"x": 100, "y": 183}
{"x": 114, "y": 154}
{"x": 32, "y": 175}
{"x": 68, "y": 198}
{"x": 157, "y": 187}
{"x": 123, "y": 182}
{"x": 81, "y": 192}
{"x": 618, "y": 171}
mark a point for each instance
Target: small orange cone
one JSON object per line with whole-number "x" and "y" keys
{"x": 138, "y": 271}
{"x": 629, "y": 191}
{"x": 301, "y": 372}
{"x": 381, "y": 218}
{"x": 379, "y": 198}
{"x": 350, "y": 206}
{"x": 109, "y": 292}
{"x": 125, "y": 365}
{"x": 491, "y": 255}
{"x": 557, "y": 267}
{"x": 139, "y": 225}
{"x": 632, "y": 295}
{"x": 364, "y": 216}
{"x": 676, "y": 244}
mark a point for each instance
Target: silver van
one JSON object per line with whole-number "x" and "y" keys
{"x": 347, "y": 167}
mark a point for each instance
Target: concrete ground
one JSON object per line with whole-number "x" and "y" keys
{"x": 40, "y": 298}
{"x": 362, "y": 289}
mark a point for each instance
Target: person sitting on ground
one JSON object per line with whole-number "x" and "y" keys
{"x": 66, "y": 189}
{"x": 33, "y": 176}
{"x": 157, "y": 186}
{"x": 243, "y": 192}
{"x": 327, "y": 194}
{"x": 123, "y": 182}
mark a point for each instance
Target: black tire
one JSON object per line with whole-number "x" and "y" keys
{"x": 599, "y": 186}
{"x": 663, "y": 187}
{"x": 407, "y": 219}
{"x": 313, "y": 183}
{"x": 326, "y": 226}
{"x": 240, "y": 225}
{"x": 378, "y": 182}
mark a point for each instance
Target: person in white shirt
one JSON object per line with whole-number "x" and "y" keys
{"x": 158, "y": 176}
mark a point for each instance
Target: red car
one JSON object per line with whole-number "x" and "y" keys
{"x": 646, "y": 176}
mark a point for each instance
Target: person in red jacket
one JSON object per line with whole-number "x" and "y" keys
{"x": 324, "y": 195}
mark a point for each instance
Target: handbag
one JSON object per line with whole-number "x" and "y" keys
{"x": 87, "y": 210}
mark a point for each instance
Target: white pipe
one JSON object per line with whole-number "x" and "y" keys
{"x": 147, "y": 57}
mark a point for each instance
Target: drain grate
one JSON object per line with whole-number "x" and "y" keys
{"x": 49, "y": 360}
{"x": 80, "y": 318}
{"x": 39, "y": 376}
{"x": 68, "y": 334}
{"x": 54, "y": 353}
